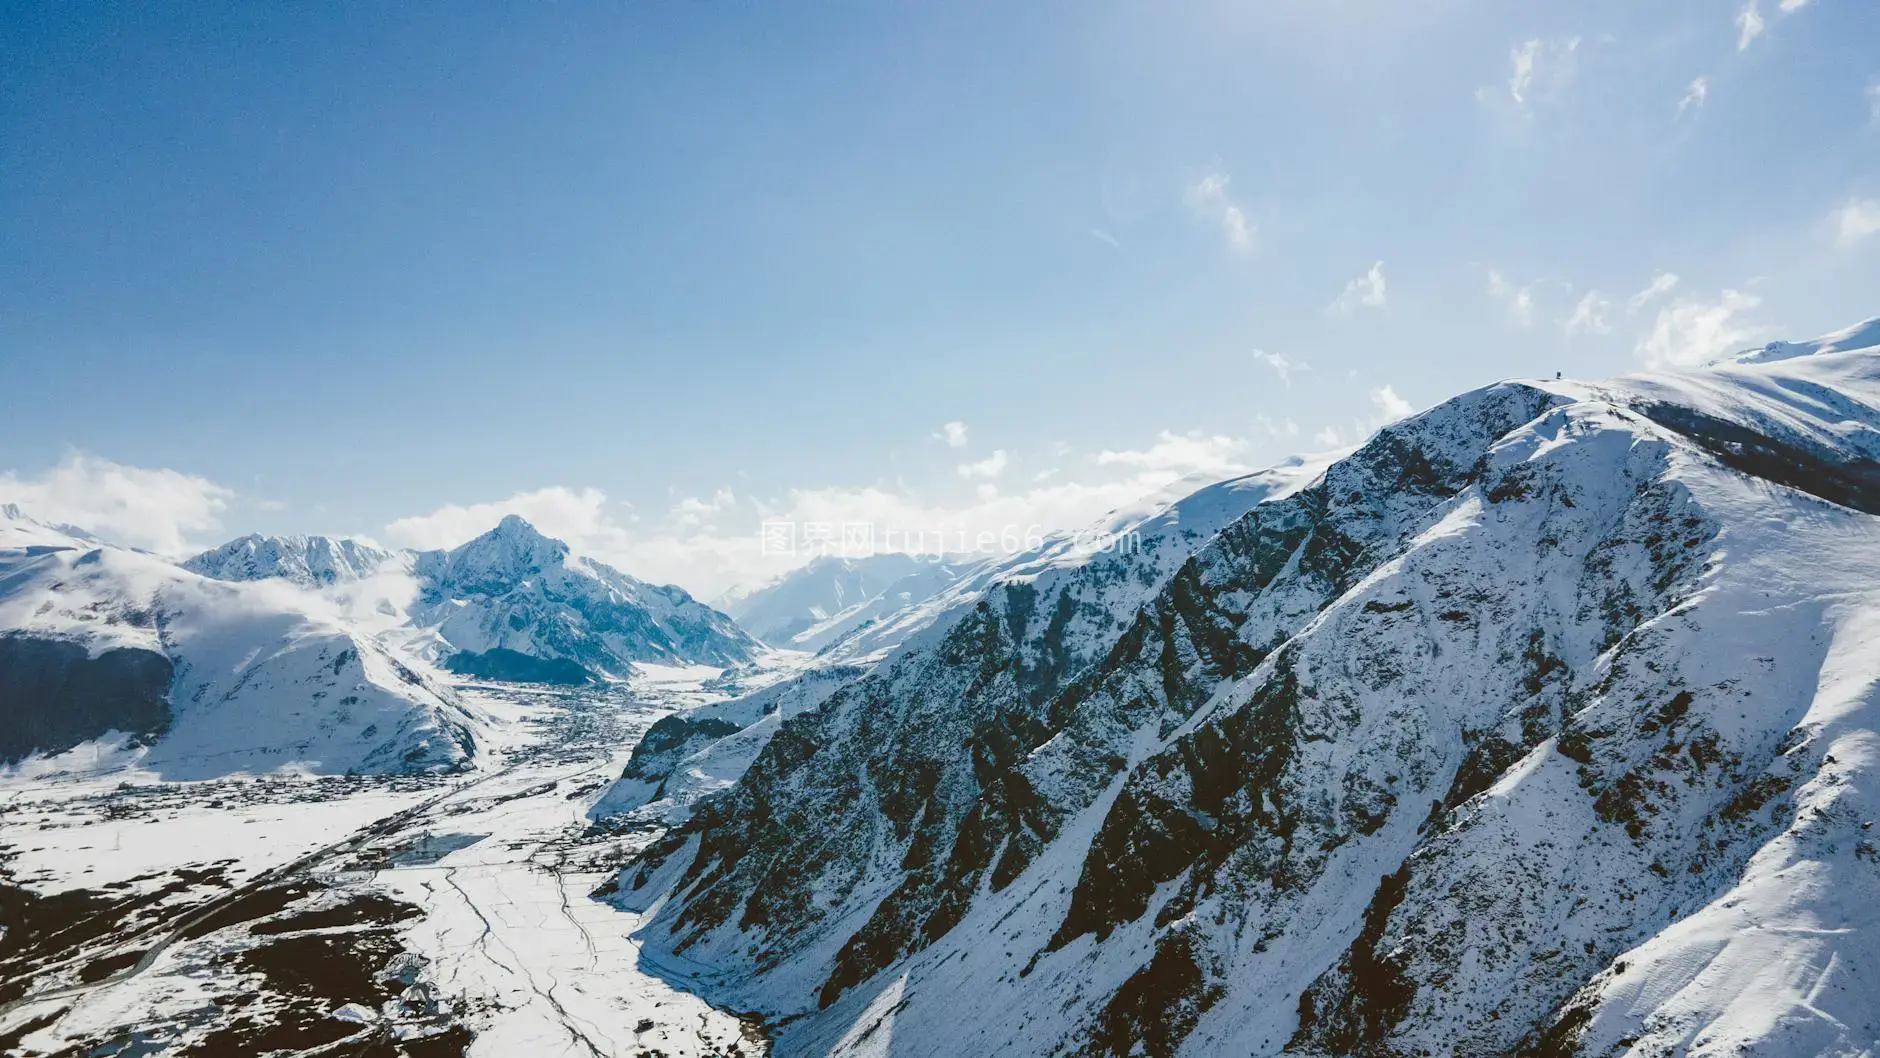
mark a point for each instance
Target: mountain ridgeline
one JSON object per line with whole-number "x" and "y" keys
{"x": 512, "y": 604}
{"x": 197, "y": 677}
{"x": 308, "y": 650}
{"x": 1492, "y": 738}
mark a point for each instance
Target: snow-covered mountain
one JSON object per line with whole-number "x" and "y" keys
{"x": 514, "y": 604}
{"x": 818, "y": 602}
{"x": 200, "y": 677}
{"x": 511, "y": 604}
{"x": 1546, "y": 722}
{"x": 1074, "y": 588}
{"x": 309, "y": 561}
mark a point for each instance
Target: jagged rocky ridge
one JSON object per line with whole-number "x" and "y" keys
{"x": 1539, "y": 724}
{"x": 1088, "y": 582}
{"x": 309, "y": 561}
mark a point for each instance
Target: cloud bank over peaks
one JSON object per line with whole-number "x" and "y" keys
{"x": 1690, "y": 331}
{"x": 708, "y": 544}
{"x": 159, "y": 510}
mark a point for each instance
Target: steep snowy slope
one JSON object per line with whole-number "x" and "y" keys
{"x": 515, "y": 604}
{"x": 872, "y": 626}
{"x": 204, "y": 677}
{"x": 809, "y": 606}
{"x": 1543, "y": 722}
{"x": 1080, "y": 585}
{"x": 309, "y": 561}
{"x": 699, "y": 751}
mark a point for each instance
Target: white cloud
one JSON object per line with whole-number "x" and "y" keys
{"x": 1695, "y": 95}
{"x": 1327, "y": 437}
{"x": 1538, "y": 68}
{"x": 990, "y": 467}
{"x": 1749, "y": 24}
{"x": 578, "y": 516}
{"x": 1691, "y": 332}
{"x": 1390, "y": 407}
{"x": 693, "y": 511}
{"x": 1281, "y": 365}
{"x": 1366, "y": 291}
{"x": 1182, "y": 454}
{"x": 1208, "y": 197}
{"x": 687, "y": 546}
{"x": 953, "y": 433}
{"x": 1519, "y": 300}
{"x": 1589, "y": 316}
{"x": 1857, "y": 220}
{"x": 159, "y": 510}
{"x": 1790, "y": 6}
{"x": 1662, "y": 283}
{"x": 1285, "y": 428}
{"x": 1105, "y": 238}
{"x": 905, "y": 521}
{"x": 1524, "y": 57}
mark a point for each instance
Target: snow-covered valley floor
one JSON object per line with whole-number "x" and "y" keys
{"x": 419, "y": 916}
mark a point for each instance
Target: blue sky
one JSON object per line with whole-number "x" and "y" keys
{"x": 650, "y": 272}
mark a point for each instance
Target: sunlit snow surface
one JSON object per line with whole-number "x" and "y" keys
{"x": 1557, "y": 731}
{"x": 501, "y": 939}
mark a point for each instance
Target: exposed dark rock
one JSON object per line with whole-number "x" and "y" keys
{"x": 512, "y": 666}
{"x": 55, "y": 695}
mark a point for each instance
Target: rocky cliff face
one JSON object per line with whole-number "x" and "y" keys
{"x": 1069, "y": 598}
{"x": 55, "y": 695}
{"x": 1478, "y": 744}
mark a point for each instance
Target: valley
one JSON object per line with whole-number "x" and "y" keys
{"x": 421, "y": 915}
{"x": 1541, "y": 723}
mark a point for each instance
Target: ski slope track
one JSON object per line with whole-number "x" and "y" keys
{"x": 1542, "y": 723}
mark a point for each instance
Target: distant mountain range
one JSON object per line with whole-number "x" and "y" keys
{"x": 510, "y": 604}
{"x": 310, "y": 650}
{"x": 830, "y": 597}
{"x": 309, "y": 561}
{"x": 192, "y": 677}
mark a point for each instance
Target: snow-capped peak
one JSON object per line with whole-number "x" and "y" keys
{"x": 496, "y": 562}
{"x": 1862, "y": 335}
{"x": 19, "y": 529}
